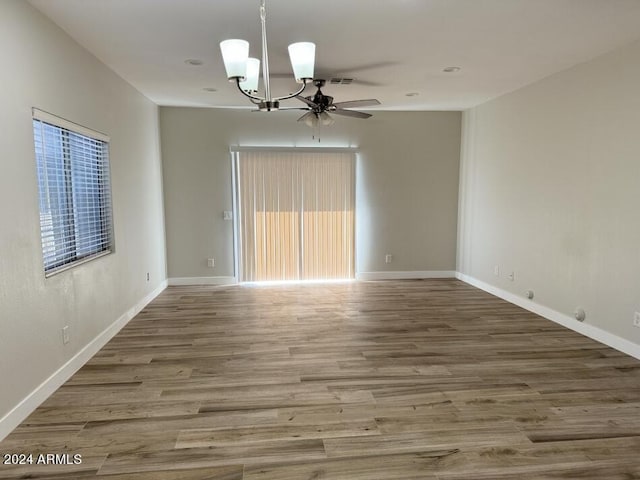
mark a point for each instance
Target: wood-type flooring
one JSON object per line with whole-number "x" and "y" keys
{"x": 425, "y": 379}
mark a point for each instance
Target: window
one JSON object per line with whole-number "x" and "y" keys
{"x": 74, "y": 192}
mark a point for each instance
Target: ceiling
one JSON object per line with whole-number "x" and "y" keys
{"x": 390, "y": 47}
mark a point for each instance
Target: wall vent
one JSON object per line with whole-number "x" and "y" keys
{"x": 340, "y": 81}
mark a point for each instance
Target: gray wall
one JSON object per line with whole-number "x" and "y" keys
{"x": 44, "y": 68}
{"x": 407, "y": 183}
{"x": 550, "y": 189}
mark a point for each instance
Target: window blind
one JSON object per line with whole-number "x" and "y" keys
{"x": 296, "y": 215}
{"x": 74, "y": 193}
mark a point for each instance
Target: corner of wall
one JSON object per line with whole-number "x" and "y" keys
{"x": 602, "y": 336}
{"x": 21, "y": 411}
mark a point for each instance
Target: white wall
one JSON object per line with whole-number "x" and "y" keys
{"x": 44, "y": 68}
{"x": 407, "y": 183}
{"x": 550, "y": 189}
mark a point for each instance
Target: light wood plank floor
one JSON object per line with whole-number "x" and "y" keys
{"x": 430, "y": 380}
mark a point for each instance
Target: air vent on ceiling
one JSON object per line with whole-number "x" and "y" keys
{"x": 341, "y": 81}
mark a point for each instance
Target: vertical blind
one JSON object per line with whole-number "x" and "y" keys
{"x": 296, "y": 215}
{"x": 74, "y": 193}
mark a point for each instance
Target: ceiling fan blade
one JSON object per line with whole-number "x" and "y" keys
{"x": 307, "y": 101}
{"x": 353, "y": 68}
{"x": 367, "y": 83}
{"x": 351, "y": 113}
{"x": 357, "y": 103}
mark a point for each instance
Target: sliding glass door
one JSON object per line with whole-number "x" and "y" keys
{"x": 295, "y": 215}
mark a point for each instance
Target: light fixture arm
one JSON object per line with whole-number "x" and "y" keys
{"x": 256, "y": 100}
{"x": 253, "y": 98}
{"x": 305, "y": 82}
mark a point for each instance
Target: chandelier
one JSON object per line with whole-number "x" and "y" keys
{"x": 245, "y": 71}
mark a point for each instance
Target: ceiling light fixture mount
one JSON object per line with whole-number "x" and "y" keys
{"x": 245, "y": 71}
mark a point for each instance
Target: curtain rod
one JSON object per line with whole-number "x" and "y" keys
{"x": 237, "y": 148}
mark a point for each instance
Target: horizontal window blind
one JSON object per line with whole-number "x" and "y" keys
{"x": 74, "y": 194}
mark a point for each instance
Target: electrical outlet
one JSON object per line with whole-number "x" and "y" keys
{"x": 636, "y": 319}
{"x": 388, "y": 258}
{"x": 65, "y": 335}
{"x": 496, "y": 270}
{"x": 211, "y": 262}
{"x": 512, "y": 276}
{"x": 227, "y": 215}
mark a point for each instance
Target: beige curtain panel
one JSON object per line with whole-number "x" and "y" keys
{"x": 296, "y": 215}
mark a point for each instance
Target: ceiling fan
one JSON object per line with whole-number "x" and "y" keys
{"x": 319, "y": 104}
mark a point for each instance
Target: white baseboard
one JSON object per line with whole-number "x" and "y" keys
{"x": 621, "y": 344}
{"x": 19, "y": 413}
{"x": 32, "y": 401}
{"x": 178, "y": 281}
{"x": 394, "y": 275}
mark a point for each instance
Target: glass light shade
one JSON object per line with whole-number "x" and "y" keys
{"x": 325, "y": 119}
{"x": 303, "y": 57}
{"x": 252, "y": 76}
{"x": 235, "y": 53}
{"x": 310, "y": 119}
